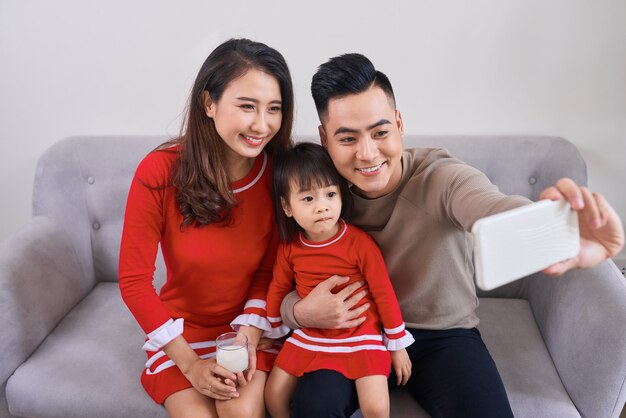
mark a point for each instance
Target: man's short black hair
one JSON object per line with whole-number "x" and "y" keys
{"x": 346, "y": 74}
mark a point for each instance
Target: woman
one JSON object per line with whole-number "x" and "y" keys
{"x": 205, "y": 197}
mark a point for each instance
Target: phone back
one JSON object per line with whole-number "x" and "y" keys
{"x": 522, "y": 241}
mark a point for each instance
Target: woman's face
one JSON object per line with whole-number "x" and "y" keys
{"x": 248, "y": 114}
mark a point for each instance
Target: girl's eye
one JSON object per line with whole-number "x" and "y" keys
{"x": 247, "y": 106}
{"x": 275, "y": 109}
{"x": 332, "y": 194}
{"x": 308, "y": 198}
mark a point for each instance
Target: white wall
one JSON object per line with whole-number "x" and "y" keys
{"x": 71, "y": 67}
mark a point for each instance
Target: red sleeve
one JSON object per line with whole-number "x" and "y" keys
{"x": 263, "y": 277}
{"x": 143, "y": 225}
{"x": 282, "y": 283}
{"x": 372, "y": 266}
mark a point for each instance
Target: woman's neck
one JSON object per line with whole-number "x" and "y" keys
{"x": 239, "y": 167}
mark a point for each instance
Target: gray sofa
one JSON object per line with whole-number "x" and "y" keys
{"x": 70, "y": 348}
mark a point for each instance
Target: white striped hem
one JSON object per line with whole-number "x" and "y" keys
{"x": 163, "y": 335}
{"x": 398, "y": 343}
{"x": 277, "y": 332}
{"x": 169, "y": 363}
{"x": 274, "y": 319}
{"x": 394, "y": 330}
{"x": 253, "y": 320}
{"x": 367, "y": 337}
{"x": 255, "y": 303}
{"x": 336, "y": 349}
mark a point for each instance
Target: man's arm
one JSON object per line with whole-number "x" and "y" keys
{"x": 323, "y": 309}
{"x": 468, "y": 195}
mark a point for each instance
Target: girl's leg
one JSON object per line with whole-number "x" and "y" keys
{"x": 373, "y": 396}
{"x": 189, "y": 403}
{"x": 250, "y": 401}
{"x": 278, "y": 391}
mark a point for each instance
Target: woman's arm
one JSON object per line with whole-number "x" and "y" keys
{"x": 143, "y": 225}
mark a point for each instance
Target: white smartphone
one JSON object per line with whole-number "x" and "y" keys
{"x": 522, "y": 241}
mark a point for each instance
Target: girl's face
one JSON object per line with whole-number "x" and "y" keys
{"x": 317, "y": 210}
{"x": 248, "y": 114}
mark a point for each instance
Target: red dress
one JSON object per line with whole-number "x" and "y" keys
{"x": 216, "y": 275}
{"x": 354, "y": 352}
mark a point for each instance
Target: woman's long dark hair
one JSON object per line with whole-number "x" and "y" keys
{"x": 200, "y": 176}
{"x": 306, "y": 165}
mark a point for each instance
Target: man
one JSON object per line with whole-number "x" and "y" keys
{"x": 418, "y": 205}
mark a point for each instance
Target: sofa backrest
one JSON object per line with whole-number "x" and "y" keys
{"x": 82, "y": 183}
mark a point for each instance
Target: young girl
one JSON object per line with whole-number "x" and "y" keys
{"x": 318, "y": 243}
{"x": 205, "y": 197}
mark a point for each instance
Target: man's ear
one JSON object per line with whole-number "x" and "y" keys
{"x": 209, "y": 105}
{"x": 286, "y": 207}
{"x": 323, "y": 138}
{"x": 399, "y": 122}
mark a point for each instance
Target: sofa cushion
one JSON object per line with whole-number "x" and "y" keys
{"x": 89, "y": 366}
{"x": 532, "y": 383}
{"x": 530, "y": 378}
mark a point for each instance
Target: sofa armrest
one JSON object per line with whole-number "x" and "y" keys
{"x": 582, "y": 317}
{"x": 40, "y": 282}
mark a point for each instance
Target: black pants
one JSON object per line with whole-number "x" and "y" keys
{"x": 453, "y": 376}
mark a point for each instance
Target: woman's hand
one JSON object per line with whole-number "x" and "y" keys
{"x": 206, "y": 376}
{"x": 402, "y": 365}
{"x": 212, "y": 380}
{"x": 323, "y": 309}
{"x": 254, "y": 336}
{"x": 601, "y": 231}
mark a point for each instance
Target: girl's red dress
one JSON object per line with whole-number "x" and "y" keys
{"x": 354, "y": 352}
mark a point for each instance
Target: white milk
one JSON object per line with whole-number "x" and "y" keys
{"x": 233, "y": 358}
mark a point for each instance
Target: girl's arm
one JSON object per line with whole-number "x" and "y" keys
{"x": 396, "y": 338}
{"x": 372, "y": 266}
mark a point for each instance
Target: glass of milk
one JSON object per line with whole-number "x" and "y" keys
{"x": 232, "y": 351}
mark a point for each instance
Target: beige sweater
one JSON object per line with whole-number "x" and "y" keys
{"x": 421, "y": 228}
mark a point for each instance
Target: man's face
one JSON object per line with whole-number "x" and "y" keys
{"x": 363, "y": 135}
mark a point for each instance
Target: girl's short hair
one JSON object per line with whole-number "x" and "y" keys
{"x": 308, "y": 165}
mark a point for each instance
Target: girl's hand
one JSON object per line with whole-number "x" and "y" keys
{"x": 212, "y": 380}
{"x": 402, "y": 365}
